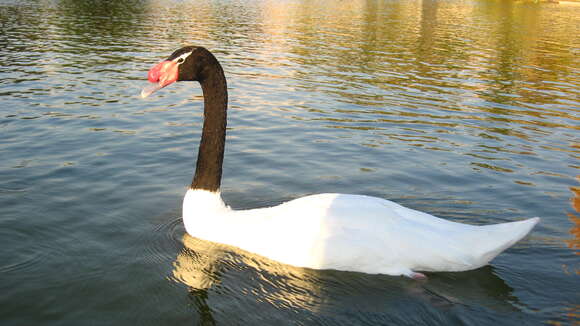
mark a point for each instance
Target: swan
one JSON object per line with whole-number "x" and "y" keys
{"x": 324, "y": 231}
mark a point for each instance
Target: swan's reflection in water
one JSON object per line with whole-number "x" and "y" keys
{"x": 197, "y": 264}
{"x": 225, "y": 283}
{"x": 206, "y": 267}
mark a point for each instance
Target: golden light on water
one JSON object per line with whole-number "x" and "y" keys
{"x": 574, "y": 242}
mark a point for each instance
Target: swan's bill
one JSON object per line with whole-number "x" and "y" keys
{"x": 161, "y": 75}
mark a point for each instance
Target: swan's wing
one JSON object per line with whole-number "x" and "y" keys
{"x": 382, "y": 235}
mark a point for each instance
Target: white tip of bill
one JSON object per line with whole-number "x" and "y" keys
{"x": 150, "y": 89}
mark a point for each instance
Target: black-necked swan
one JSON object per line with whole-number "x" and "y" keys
{"x": 325, "y": 231}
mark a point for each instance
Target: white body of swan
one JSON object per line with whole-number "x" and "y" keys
{"x": 326, "y": 231}
{"x": 350, "y": 232}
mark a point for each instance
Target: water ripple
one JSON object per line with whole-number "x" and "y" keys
{"x": 25, "y": 257}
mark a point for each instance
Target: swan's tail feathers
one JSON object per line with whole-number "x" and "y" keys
{"x": 494, "y": 239}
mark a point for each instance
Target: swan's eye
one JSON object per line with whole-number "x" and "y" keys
{"x": 180, "y": 60}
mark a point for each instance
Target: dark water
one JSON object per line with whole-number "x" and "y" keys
{"x": 467, "y": 110}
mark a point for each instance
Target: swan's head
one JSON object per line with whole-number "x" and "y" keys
{"x": 186, "y": 64}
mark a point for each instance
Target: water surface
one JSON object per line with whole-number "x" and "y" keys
{"x": 464, "y": 109}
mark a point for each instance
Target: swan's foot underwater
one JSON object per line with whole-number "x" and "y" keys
{"x": 418, "y": 276}
{"x": 415, "y": 276}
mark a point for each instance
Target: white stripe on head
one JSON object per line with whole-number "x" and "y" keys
{"x": 179, "y": 60}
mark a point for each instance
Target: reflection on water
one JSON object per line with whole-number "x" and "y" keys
{"x": 573, "y": 312}
{"x": 197, "y": 263}
{"x": 208, "y": 270}
{"x": 574, "y": 243}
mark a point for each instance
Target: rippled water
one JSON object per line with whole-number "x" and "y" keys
{"x": 464, "y": 109}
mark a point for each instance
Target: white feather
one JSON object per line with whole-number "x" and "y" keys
{"x": 350, "y": 232}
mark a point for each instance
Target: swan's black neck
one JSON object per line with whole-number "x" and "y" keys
{"x": 208, "y": 171}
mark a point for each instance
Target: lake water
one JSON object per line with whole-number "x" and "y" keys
{"x": 468, "y": 110}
